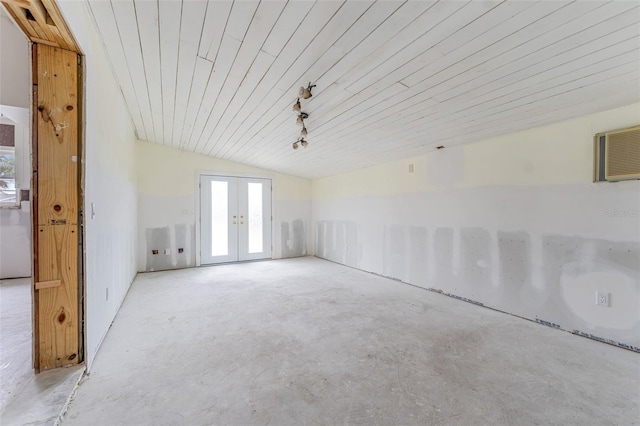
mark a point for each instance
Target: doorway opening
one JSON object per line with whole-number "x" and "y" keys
{"x": 235, "y": 219}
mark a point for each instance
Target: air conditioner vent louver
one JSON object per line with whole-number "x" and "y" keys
{"x": 618, "y": 155}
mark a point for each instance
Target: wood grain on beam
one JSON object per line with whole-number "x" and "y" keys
{"x": 48, "y": 284}
{"x": 56, "y": 249}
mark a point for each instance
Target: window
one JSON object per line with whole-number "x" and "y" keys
{"x": 8, "y": 191}
{"x": 15, "y": 156}
{"x": 617, "y": 155}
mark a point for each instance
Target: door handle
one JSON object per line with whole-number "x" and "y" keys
{"x": 234, "y": 222}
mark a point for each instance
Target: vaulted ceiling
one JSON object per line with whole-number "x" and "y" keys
{"x": 394, "y": 78}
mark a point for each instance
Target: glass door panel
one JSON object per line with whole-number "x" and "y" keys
{"x": 254, "y": 205}
{"x": 218, "y": 219}
{"x": 255, "y": 217}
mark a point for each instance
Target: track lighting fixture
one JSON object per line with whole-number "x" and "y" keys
{"x": 305, "y": 93}
{"x": 297, "y": 106}
{"x": 300, "y": 141}
{"x": 301, "y": 117}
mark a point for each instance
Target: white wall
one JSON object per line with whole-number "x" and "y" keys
{"x": 109, "y": 184}
{"x": 514, "y": 223}
{"x": 167, "y": 205}
{"x": 15, "y": 95}
{"x": 15, "y": 65}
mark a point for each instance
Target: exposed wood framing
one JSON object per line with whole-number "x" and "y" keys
{"x": 42, "y": 22}
{"x": 55, "y": 182}
{"x": 48, "y": 284}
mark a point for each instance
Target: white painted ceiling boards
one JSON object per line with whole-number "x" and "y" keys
{"x": 394, "y": 78}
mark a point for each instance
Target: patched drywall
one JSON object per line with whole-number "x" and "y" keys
{"x": 167, "y": 206}
{"x": 293, "y": 237}
{"x": 513, "y": 223}
{"x": 15, "y": 242}
{"x": 109, "y": 181}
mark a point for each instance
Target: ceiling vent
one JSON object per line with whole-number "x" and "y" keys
{"x": 617, "y": 155}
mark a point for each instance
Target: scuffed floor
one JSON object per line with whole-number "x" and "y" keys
{"x": 27, "y": 398}
{"x": 306, "y": 341}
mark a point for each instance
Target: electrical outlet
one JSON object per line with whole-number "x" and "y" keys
{"x": 180, "y": 250}
{"x": 154, "y": 252}
{"x": 167, "y": 251}
{"x": 602, "y": 298}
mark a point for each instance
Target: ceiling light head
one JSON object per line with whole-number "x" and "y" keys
{"x": 304, "y": 143}
{"x": 297, "y": 106}
{"x": 295, "y": 145}
{"x": 303, "y": 132}
{"x": 301, "y": 117}
{"x": 305, "y": 92}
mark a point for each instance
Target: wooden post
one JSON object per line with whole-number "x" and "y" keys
{"x": 56, "y": 164}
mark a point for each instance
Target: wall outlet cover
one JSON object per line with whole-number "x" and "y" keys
{"x": 602, "y": 298}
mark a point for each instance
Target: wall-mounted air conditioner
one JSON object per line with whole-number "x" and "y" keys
{"x": 617, "y": 155}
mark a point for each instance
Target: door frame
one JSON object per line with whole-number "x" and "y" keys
{"x": 199, "y": 174}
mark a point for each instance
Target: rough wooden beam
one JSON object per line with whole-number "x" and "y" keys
{"x": 42, "y": 22}
{"x": 56, "y": 246}
{"x": 61, "y": 25}
{"x": 21, "y": 3}
{"x": 48, "y": 284}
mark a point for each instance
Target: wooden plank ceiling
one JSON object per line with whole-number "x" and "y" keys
{"x": 394, "y": 78}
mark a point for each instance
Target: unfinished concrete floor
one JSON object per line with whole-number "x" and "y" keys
{"x": 305, "y": 341}
{"x": 26, "y": 397}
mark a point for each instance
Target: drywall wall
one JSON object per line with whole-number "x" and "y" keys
{"x": 109, "y": 184}
{"x": 167, "y": 195}
{"x": 15, "y": 79}
{"x": 15, "y": 222}
{"x": 15, "y": 94}
{"x": 513, "y": 223}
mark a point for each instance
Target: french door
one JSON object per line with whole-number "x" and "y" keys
{"x": 235, "y": 219}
